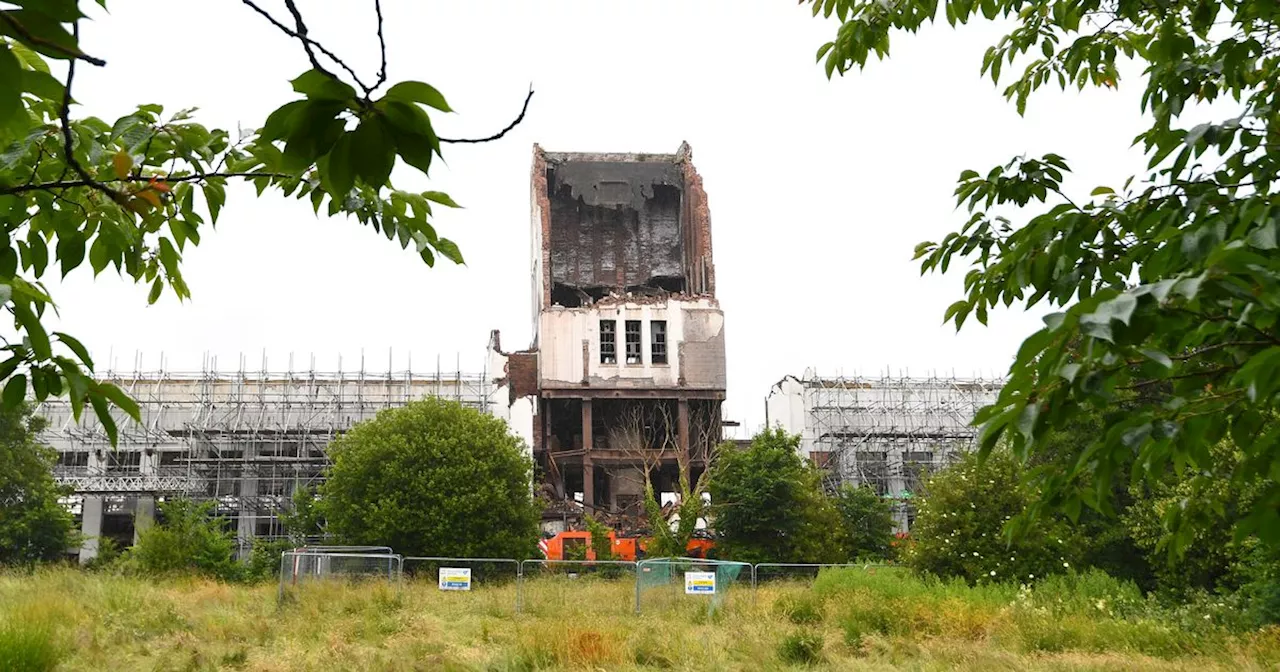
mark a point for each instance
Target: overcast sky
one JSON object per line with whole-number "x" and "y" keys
{"x": 818, "y": 190}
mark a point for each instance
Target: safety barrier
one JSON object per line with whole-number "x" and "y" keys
{"x": 540, "y": 583}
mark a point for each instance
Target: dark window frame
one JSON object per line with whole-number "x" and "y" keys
{"x": 634, "y": 342}
{"x": 658, "y": 341}
{"x": 608, "y": 341}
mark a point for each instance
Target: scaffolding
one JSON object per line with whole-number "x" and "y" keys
{"x": 887, "y": 431}
{"x": 244, "y": 439}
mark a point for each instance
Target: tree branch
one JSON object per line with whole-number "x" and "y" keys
{"x": 307, "y": 42}
{"x": 71, "y": 184}
{"x": 382, "y": 46}
{"x": 26, "y": 35}
{"x": 65, "y": 115}
{"x": 499, "y": 134}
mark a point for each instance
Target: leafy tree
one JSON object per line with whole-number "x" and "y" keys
{"x": 133, "y": 193}
{"x": 34, "y": 526}
{"x": 432, "y": 478}
{"x": 768, "y": 504}
{"x": 305, "y": 518}
{"x": 958, "y": 530}
{"x": 187, "y": 537}
{"x": 1168, "y": 280}
{"x": 601, "y": 547}
{"x": 868, "y": 521}
{"x": 670, "y": 541}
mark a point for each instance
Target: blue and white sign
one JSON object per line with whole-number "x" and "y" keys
{"x": 699, "y": 583}
{"x": 455, "y": 578}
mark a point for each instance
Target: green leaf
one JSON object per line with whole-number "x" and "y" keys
{"x": 156, "y": 288}
{"x": 53, "y": 39}
{"x": 70, "y": 252}
{"x": 103, "y": 411}
{"x": 77, "y": 347}
{"x": 35, "y": 330}
{"x": 120, "y": 399}
{"x": 320, "y": 86}
{"x": 372, "y": 152}
{"x": 10, "y": 95}
{"x": 15, "y": 391}
{"x": 215, "y": 196}
{"x": 341, "y": 168}
{"x": 1100, "y": 191}
{"x": 418, "y": 92}
{"x": 450, "y": 250}
{"x": 42, "y": 84}
{"x": 441, "y": 198}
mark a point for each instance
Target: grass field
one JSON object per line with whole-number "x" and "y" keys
{"x": 846, "y": 620}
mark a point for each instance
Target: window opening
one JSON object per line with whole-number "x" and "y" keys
{"x": 608, "y": 342}
{"x": 658, "y": 334}
{"x": 633, "y": 342}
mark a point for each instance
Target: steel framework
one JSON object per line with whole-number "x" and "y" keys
{"x": 889, "y": 431}
{"x": 245, "y": 439}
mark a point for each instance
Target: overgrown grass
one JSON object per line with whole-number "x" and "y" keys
{"x": 845, "y": 620}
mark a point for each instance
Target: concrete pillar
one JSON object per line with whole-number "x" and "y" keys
{"x": 245, "y": 528}
{"x": 144, "y": 515}
{"x": 90, "y": 527}
{"x": 588, "y": 468}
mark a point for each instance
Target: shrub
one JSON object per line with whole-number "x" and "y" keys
{"x": 187, "y": 537}
{"x": 868, "y": 522}
{"x": 264, "y": 559}
{"x": 768, "y": 505}
{"x": 432, "y": 478}
{"x": 803, "y": 647}
{"x": 960, "y": 524}
{"x": 34, "y": 526}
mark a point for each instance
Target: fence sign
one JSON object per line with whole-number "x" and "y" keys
{"x": 455, "y": 578}
{"x": 699, "y": 583}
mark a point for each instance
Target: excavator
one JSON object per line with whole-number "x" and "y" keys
{"x": 577, "y": 544}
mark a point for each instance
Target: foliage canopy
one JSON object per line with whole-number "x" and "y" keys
{"x": 34, "y": 525}
{"x": 1168, "y": 283}
{"x": 133, "y": 193}
{"x": 432, "y": 478}
{"x": 768, "y": 504}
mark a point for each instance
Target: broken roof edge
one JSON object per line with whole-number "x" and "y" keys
{"x": 684, "y": 153}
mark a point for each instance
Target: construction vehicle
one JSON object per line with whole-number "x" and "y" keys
{"x": 577, "y": 545}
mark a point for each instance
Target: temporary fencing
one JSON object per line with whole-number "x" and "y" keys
{"x": 666, "y": 583}
{"x": 310, "y": 564}
{"x": 591, "y": 586}
{"x": 472, "y": 580}
{"x": 507, "y": 585}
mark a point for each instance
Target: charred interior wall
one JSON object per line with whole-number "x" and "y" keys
{"x": 630, "y": 350}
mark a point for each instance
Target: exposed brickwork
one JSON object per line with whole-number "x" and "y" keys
{"x": 522, "y": 374}
{"x": 540, "y": 201}
{"x": 697, "y": 216}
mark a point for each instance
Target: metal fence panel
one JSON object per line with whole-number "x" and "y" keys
{"x": 580, "y": 586}
{"x": 301, "y": 566}
{"x": 491, "y": 585}
{"x": 689, "y": 583}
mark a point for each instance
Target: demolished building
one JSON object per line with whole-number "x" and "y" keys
{"x": 626, "y": 375}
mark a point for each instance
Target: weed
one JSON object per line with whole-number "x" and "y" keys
{"x": 27, "y": 647}
{"x": 803, "y": 647}
{"x": 804, "y": 610}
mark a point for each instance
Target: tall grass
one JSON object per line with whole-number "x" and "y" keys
{"x": 843, "y": 620}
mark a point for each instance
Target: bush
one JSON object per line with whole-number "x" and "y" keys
{"x": 960, "y": 524}
{"x": 803, "y": 647}
{"x": 187, "y": 537}
{"x": 34, "y": 526}
{"x": 868, "y": 522}
{"x": 432, "y": 478}
{"x": 264, "y": 559}
{"x": 768, "y": 505}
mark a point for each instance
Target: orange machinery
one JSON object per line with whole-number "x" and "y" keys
{"x": 624, "y": 548}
